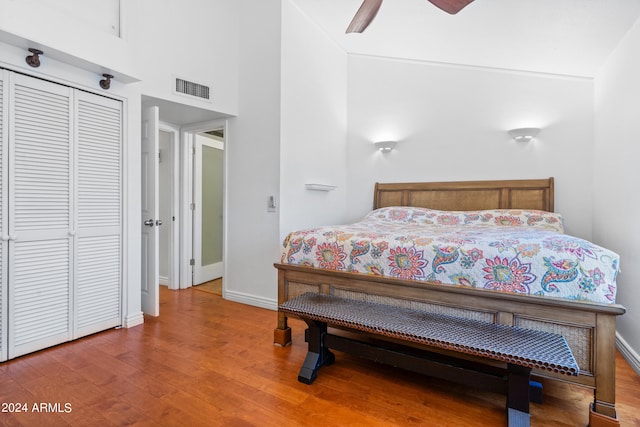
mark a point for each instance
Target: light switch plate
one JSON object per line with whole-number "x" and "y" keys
{"x": 271, "y": 204}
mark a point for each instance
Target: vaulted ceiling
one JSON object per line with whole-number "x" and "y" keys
{"x": 568, "y": 37}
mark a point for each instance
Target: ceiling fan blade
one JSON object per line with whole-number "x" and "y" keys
{"x": 364, "y": 16}
{"x": 451, "y": 6}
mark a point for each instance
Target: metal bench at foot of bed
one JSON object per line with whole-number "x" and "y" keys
{"x": 521, "y": 349}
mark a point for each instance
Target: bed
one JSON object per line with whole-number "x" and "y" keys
{"x": 571, "y": 295}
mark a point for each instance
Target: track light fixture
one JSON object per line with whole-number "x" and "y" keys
{"x": 34, "y": 59}
{"x": 106, "y": 82}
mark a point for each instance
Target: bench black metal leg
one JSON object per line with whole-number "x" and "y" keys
{"x": 535, "y": 392}
{"x": 318, "y": 354}
{"x": 518, "y": 396}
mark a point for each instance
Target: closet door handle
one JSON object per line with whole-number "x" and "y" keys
{"x": 5, "y": 238}
{"x": 13, "y": 237}
{"x": 158, "y": 222}
{"x": 149, "y": 223}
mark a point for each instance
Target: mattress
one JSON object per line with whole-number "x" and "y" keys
{"x": 517, "y": 251}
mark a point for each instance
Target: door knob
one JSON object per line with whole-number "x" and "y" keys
{"x": 149, "y": 223}
{"x": 158, "y": 222}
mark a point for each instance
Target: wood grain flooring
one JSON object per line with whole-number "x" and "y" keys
{"x": 210, "y": 362}
{"x": 213, "y": 287}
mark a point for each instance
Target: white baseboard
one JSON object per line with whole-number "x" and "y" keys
{"x": 249, "y": 299}
{"x": 133, "y": 320}
{"x": 628, "y": 353}
{"x": 163, "y": 280}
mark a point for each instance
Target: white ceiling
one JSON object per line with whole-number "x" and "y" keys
{"x": 569, "y": 37}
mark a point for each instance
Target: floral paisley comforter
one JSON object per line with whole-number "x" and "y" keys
{"x": 518, "y": 251}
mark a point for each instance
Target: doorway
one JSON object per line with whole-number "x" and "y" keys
{"x": 208, "y": 181}
{"x": 168, "y": 205}
{"x": 168, "y": 146}
{"x": 203, "y": 204}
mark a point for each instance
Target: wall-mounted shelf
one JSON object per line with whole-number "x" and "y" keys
{"x": 320, "y": 187}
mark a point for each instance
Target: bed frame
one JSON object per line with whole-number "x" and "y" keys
{"x": 589, "y": 328}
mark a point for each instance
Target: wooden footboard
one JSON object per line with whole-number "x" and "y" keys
{"x": 589, "y": 328}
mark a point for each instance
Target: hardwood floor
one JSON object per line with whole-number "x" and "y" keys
{"x": 213, "y": 287}
{"x": 210, "y": 362}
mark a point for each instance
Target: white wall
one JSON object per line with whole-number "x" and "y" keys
{"x": 616, "y": 177}
{"x": 290, "y": 130}
{"x": 65, "y": 37}
{"x": 195, "y": 40}
{"x": 102, "y": 15}
{"x": 314, "y": 115}
{"x": 253, "y": 159}
{"x": 451, "y": 124}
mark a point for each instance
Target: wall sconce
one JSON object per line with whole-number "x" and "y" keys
{"x": 385, "y": 146}
{"x": 523, "y": 134}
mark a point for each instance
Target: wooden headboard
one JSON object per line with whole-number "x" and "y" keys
{"x": 468, "y": 195}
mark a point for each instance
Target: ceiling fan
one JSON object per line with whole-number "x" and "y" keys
{"x": 369, "y": 9}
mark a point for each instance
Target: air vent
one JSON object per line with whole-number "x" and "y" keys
{"x": 193, "y": 89}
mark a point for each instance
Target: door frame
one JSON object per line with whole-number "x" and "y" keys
{"x": 204, "y": 273}
{"x": 174, "y": 233}
{"x": 187, "y": 148}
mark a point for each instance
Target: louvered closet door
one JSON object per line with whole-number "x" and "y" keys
{"x": 99, "y": 214}
{"x": 40, "y": 214}
{"x": 4, "y": 231}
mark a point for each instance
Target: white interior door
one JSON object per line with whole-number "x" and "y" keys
{"x": 150, "y": 221}
{"x": 208, "y": 220}
{"x": 98, "y": 208}
{"x": 41, "y": 218}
